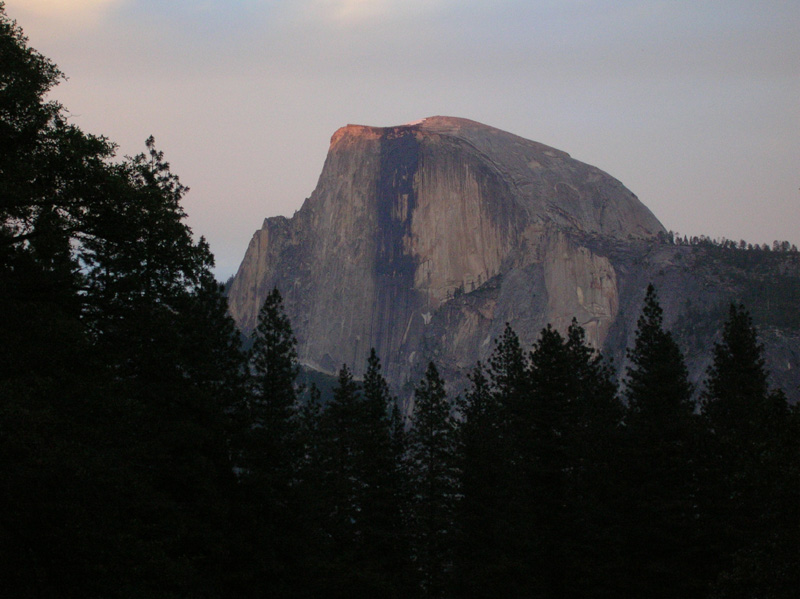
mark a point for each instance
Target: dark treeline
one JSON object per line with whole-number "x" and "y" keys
{"x": 143, "y": 453}
{"x": 546, "y": 480}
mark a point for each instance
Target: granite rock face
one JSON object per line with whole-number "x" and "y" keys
{"x": 404, "y": 219}
{"x": 423, "y": 240}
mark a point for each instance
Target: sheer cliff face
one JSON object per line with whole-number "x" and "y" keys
{"x": 408, "y": 223}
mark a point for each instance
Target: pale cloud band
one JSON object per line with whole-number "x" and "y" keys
{"x": 336, "y": 13}
{"x": 86, "y": 12}
{"x": 362, "y": 11}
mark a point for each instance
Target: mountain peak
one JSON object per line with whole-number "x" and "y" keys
{"x": 422, "y": 240}
{"x": 447, "y": 125}
{"x": 406, "y": 217}
{"x": 496, "y": 144}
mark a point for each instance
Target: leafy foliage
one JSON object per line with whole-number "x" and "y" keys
{"x": 120, "y": 363}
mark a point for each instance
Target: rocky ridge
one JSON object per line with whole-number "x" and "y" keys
{"x": 423, "y": 240}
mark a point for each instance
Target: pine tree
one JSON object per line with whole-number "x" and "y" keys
{"x": 158, "y": 324}
{"x": 657, "y": 384}
{"x": 384, "y": 551}
{"x": 481, "y": 567}
{"x": 736, "y": 399}
{"x": 561, "y": 454}
{"x": 311, "y": 453}
{"x": 661, "y": 467}
{"x": 344, "y": 483}
{"x": 593, "y": 454}
{"x": 274, "y": 370}
{"x": 403, "y": 574}
{"x": 554, "y": 393}
{"x": 361, "y": 490}
{"x": 378, "y": 463}
{"x": 507, "y": 370}
{"x": 598, "y": 411}
{"x": 312, "y": 551}
{"x": 433, "y": 483}
{"x": 508, "y": 374}
{"x": 214, "y": 360}
{"x": 754, "y": 450}
{"x": 269, "y": 549}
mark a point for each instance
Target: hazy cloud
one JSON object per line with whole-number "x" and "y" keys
{"x": 55, "y": 14}
{"x": 358, "y": 12}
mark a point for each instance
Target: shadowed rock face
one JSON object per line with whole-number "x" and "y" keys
{"x": 406, "y": 222}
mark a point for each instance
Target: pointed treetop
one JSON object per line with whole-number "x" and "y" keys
{"x": 507, "y": 365}
{"x": 736, "y": 397}
{"x": 273, "y": 357}
{"x": 657, "y": 379}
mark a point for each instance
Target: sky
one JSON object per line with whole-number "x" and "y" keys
{"x": 694, "y": 105}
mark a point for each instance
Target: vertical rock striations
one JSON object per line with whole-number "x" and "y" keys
{"x": 422, "y": 240}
